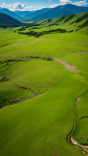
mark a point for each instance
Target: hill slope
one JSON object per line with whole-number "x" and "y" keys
{"x": 8, "y": 21}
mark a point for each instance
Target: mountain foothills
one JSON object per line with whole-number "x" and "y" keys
{"x": 8, "y": 21}
{"x": 45, "y": 13}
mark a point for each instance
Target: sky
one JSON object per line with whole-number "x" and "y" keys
{"x": 30, "y": 5}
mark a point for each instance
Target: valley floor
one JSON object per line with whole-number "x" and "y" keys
{"x": 43, "y": 94}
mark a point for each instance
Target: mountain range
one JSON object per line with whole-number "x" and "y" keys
{"x": 36, "y": 13}
{"x": 61, "y": 10}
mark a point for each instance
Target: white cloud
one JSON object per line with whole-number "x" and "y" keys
{"x": 18, "y": 6}
{"x": 63, "y": 2}
{"x": 80, "y": 3}
{"x": 54, "y": 5}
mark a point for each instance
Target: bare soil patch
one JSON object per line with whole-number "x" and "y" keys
{"x": 78, "y": 100}
{"x": 69, "y": 67}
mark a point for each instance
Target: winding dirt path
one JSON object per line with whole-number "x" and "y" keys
{"x": 69, "y": 67}
{"x": 83, "y": 52}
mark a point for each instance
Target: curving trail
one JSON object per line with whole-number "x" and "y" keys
{"x": 83, "y": 52}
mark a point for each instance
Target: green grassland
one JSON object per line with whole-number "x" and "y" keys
{"x": 39, "y": 112}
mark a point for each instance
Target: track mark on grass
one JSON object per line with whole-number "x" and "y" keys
{"x": 69, "y": 67}
{"x": 15, "y": 43}
{"x": 82, "y": 42}
{"x": 65, "y": 40}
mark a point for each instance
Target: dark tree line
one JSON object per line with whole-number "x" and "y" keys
{"x": 37, "y": 34}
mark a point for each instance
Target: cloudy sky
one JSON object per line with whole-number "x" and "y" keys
{"x": 38, "y": 4}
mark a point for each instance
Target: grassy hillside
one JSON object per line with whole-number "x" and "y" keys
{"x": 69, "y": 23}
{"x": 44, "y": 90}
{"x": 8, "y": 21}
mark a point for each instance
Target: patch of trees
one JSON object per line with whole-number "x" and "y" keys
{"x": 3, "y": 78}
{"x": 49, "y": 20}
{"x": 22, "y": 28}
{"x": 37, "y": 34}
{"x": 5, "y": 27}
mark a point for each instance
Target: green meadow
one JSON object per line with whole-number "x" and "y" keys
{"x": 43, "y": 100}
